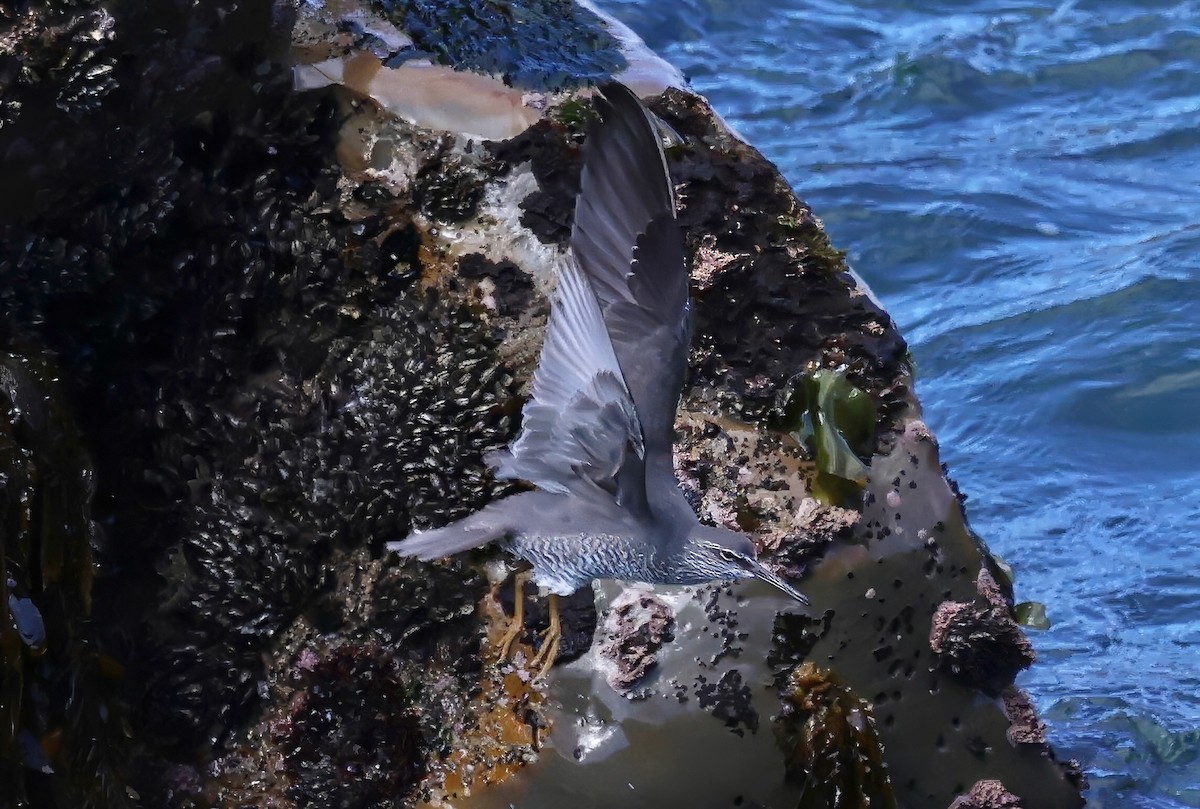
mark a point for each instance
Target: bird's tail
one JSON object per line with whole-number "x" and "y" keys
{"x": 474, "y": 531}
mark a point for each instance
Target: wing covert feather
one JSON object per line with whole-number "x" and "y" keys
{"x": 580, "y": 428}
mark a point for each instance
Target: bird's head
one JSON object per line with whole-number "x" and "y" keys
{"x": 725, "y": 555}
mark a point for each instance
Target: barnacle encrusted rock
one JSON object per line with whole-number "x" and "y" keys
{"x": 981, "y": 643}
{"x": 636, "y": 627}
{"x": 987, "y": 794}
{"x": 351, "y": 733}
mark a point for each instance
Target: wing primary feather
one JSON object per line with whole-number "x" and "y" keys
{"x": 630, "y": 248}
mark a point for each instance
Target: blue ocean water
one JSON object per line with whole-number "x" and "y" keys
{"x": 1020, "y": 184}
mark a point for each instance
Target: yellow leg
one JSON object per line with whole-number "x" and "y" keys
{"x": 551, "y": 639}
{"x": 518, "y": 620}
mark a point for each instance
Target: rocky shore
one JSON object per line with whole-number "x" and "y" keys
{"x": 273, "y": 281}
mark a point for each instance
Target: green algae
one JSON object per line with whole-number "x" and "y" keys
{"x": 575, "y": 114}
{"x": 1006, "y": 575}
{"x": 1032, "y": 614}
{"x": 836, "y": 420}
{"x": 817, "y": 247}
{"x": 535, "y": 44}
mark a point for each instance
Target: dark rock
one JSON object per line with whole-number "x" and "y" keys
{"x": 761, "y": 257}
{"x": 513, "y": 286}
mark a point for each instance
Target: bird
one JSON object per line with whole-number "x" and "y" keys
{"x": 597, "y": 433}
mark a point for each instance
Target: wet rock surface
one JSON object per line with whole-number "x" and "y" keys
{"x": 251, "y": 334}
{"x": 914, "y": 552}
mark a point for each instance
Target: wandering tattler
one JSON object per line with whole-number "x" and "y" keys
{"x": 596, "y": 436}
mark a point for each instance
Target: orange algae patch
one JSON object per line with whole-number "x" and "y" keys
{"x": 511, "y": 717}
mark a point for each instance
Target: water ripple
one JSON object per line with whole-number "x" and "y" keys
{"x": 1018, "y": 182}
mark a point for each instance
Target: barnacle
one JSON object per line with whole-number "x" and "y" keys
{"x": 981, "y": 645}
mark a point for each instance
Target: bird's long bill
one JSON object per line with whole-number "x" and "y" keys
{"x": 761, "y": 572}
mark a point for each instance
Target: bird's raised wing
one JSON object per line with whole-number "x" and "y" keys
{"x": 579, "y": 432}
{"x": 630, "y": 248}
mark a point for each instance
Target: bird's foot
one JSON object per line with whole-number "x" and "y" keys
{"x": 551, "y": 640}
{"x": 517, "y": 627}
